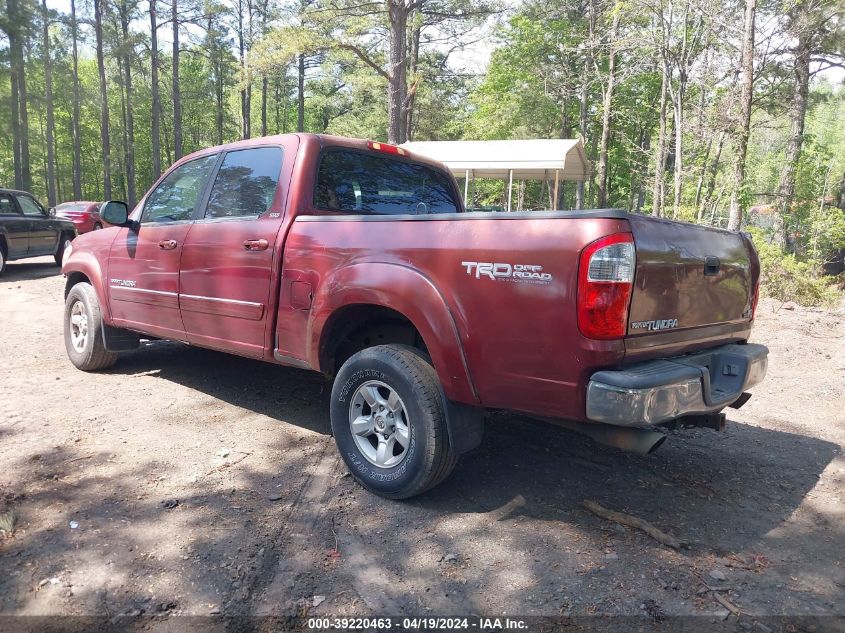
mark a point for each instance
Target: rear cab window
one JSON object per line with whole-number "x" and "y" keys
{"x": 245, "y": 184}
{"x": 361, "y": 182}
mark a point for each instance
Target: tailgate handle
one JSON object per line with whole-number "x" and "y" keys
{"x": 711, "y": 265}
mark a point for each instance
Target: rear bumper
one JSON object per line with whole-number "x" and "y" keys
{"x": 662, "y": 390}
{"x": 83, "y": 223}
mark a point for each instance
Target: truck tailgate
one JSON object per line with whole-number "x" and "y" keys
{"x": 693, "y": 285}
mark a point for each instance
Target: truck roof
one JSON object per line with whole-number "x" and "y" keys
{"x": 318, "y": 140}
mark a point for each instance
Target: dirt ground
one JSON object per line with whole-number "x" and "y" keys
{"x": 188, "y": 482}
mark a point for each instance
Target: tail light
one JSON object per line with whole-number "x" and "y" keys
{"x": 755, "y": 298}
{"x": 605, "y": 283}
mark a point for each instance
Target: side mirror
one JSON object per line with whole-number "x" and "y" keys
{"x": 51, "y": 212}
{"x": 116, "y": 212}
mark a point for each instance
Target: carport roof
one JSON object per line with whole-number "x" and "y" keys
{"x": 534, "y": 159}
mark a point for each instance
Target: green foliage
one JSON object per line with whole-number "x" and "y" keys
{"x": 784, "y": 278}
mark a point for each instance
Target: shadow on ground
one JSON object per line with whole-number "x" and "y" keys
{"x": 27, "y": 271}
{"x": 724, "y": 493}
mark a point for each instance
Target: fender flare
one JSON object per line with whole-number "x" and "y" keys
{"x": 86, "y": 264}
{"x": 408, "y": 292}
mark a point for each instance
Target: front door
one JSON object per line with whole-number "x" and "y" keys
{"x": 43, "y": 234}
{"x": 228, "y": 258}
{"x": 16, "y": 227}
{"x": 143, "y": 272}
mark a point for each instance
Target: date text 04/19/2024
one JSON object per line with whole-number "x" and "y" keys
{"x": 417, "y": 624}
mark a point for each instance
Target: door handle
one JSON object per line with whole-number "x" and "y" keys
{"x": 256, "y": 245}
{"x": 168, "y": 245}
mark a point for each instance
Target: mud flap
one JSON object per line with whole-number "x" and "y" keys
{"x": 120, "y": 340}
{"x": 465, "y": 425}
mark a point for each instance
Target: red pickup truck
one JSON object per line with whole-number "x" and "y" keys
{"x": 356, "y": 259}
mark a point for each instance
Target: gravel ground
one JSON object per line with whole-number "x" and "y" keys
{"x": 188, "y": 482}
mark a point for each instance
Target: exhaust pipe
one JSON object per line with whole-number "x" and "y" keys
{"x": 631, "y": 439}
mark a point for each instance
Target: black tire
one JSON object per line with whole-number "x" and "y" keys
{"x": 2, "y": 257}
{"x": 64, "y": 240}
{"x": 97, "y": 227}
{"x": 91, "y": 354}
{"x": 429, "y": 458}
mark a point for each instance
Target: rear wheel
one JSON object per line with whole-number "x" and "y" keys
{"x": 97, "y": 226}
{"x": 389, "y": 422}
{"x": 64, "y": 241}
{"x": 83, "y": 330}
{"x": 2, "y": 256}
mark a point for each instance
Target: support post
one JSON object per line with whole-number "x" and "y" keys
{"x": 557, "y": 182}
{"x": 466, "y": 187}
{"x": 510, "y": 187}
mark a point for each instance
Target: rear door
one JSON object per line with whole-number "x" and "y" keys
{"x": 229, "y": 261}
{"x": 16, "y": 227}
{"x": 143, "y": 269}
{"x": 43, "y": 233}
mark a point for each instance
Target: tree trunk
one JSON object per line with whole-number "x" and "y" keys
{"x": 699, "y": 187}
{"x": 714, "y": 170}
{"x": 265, "y": 82}
{"x": 735, "y": 214}
{"x": 413, "y": 64}
{"x": 605, "y": 123}
{"x": 130, "y": 119}
{"x": 583, "y": 106}
{"x": 104, "y": 101}
{"x": 20, "y": 123}
{"x": 177, "y": 94}
{"x": 679, "y": 143}
{"x": 397, "y": 75}
{"x": 679, "y": 95}
{"x": 155, "y": 127}
{"x": 658, "y": 191}
{"x": 48, "y": 97}
{"x": 264, "y": 86}
{"x": 300, "y": 95}
{"x": 16, "y": 126}
{"x": 219, "y": 96}
{"x": 75, "y": 131}
{"x": 11, "y": 9}
{"x": 245, "y": 105}
{"x": 797, "y": 115}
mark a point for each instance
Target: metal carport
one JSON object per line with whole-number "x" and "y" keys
{"x": 533, "y": 159}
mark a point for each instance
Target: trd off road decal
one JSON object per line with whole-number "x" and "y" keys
{"x": 124, "y": 283}
{"x": 498, "y": 271}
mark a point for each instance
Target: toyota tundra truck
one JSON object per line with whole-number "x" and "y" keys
{"x": 357, "y": 260}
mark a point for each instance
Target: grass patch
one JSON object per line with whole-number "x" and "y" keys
{"x": 8, "y": 522}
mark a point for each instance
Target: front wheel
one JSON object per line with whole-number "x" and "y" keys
{"x": 389, "y": 422}
{"x": 84, "y": 330}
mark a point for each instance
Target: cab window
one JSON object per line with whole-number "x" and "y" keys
{"x": 175, "y": 199}
{"x": 246, "y": 183}
{"x": 363, "y": 182}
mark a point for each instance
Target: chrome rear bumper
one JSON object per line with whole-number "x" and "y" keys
{"x": 661, "y": 390}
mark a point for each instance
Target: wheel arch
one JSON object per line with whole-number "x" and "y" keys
{"x": 371, "y": 294}
{"x": 83, "y": 267}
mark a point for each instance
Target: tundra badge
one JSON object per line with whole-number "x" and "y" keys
{"x": 659, "y": 324}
